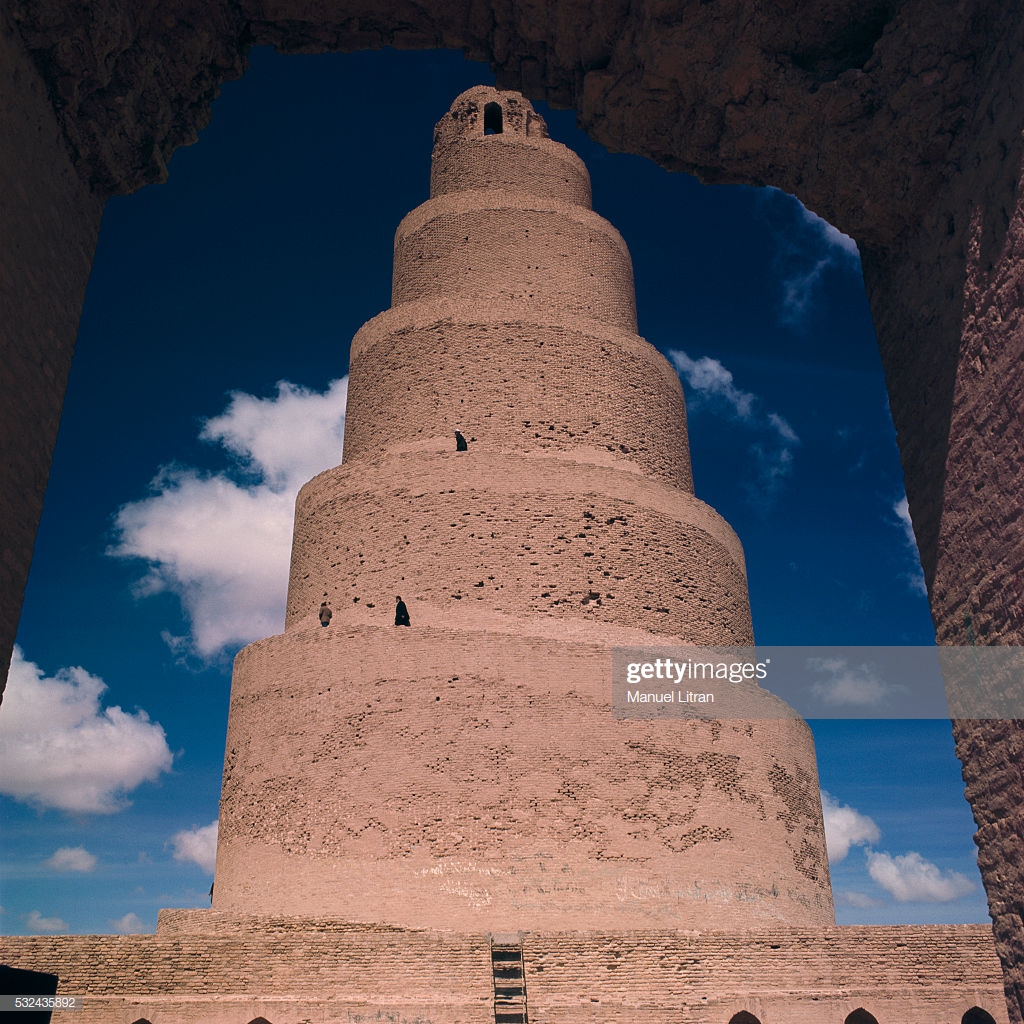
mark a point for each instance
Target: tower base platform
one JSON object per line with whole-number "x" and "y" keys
{"x": 204, "y": 967}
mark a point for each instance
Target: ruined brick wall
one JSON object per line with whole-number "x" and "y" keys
{"x": 978, "y": 589}
{"x": 947, "y": 308}
{"x": 203, "y": 969}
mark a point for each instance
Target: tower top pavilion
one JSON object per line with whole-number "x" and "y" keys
{"x": 466, "y": 771}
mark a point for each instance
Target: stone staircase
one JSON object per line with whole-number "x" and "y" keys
{"x": 509, "y": 980}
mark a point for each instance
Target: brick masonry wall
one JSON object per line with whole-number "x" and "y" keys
{"x": 501, "y": 246}
{"x": 435, "y": 777}
{"x": 902, "y": 975}
{"x": 212, "y": 970}
{"x": 977, "y": 592}
{"x": 299, "y": 971}
{"x": 522, "y": 159}
{"x": 524, "y": 537}
{"x": 543, "y": 384}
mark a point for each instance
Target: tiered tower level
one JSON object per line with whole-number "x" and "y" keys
{"x": 467, "y": 772}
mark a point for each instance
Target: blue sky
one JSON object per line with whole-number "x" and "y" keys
{"x": 163, "y": 544}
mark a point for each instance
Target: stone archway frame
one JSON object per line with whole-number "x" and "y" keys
{"x": 898, "y": 120}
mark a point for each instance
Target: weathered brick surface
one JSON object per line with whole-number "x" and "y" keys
{"x": 227, "y": 971}
{"x": 444, "y": 777}
{"x": 470, "y": 534}
{"x": 468, "y": 772}
{"x": 977, "y": 592}
{"x": 609, "y": 397}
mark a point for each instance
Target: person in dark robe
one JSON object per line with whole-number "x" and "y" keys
{"x": 325, "y": 614}
{"x": 401, "y": 613}
{"x": 460, "y": 443}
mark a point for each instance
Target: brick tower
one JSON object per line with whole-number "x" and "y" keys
{"x": 466, "y": 772}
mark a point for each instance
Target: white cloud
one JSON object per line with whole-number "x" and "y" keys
{"x": 911, "y": 878}
{"x": 860, "y": 900}
{"x": 915, "y": 575}
{"x": 35, "y": 922}
{"x": 71, "y": 858}
{"x": 774, "y": 464}
{"x": 712, "y": 384}
{"x": 198, "y": 845}
{"x": 130, "y": 924}
{"x": 60, "y": 748}
{"x": 808, "y": 246}
{"x": 798, "y": 289}
{"x": 784, "y": 430}
{"x": 710, "y": 379}
{"x": 835, "y": 241}
{"x": 222, "y": 548}
{"x": 859, "y": 686}
{"x": 221, "y": 542}
{"x": 287, "y": 439}
{"x": 845, "y": 827}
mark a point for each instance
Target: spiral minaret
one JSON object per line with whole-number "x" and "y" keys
{"x": 467, "y": 772}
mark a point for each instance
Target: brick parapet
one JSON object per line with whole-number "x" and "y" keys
{"x": 322, "y": 971}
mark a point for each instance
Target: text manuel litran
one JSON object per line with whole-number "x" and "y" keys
{"x": 706, "y": 683}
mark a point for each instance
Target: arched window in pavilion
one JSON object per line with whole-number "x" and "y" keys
{"x": 976, "y": 1015}
{"x": 860, "y": 1016}
{"x": 492, "y": 119}
{"x": 743, "y": 1018}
